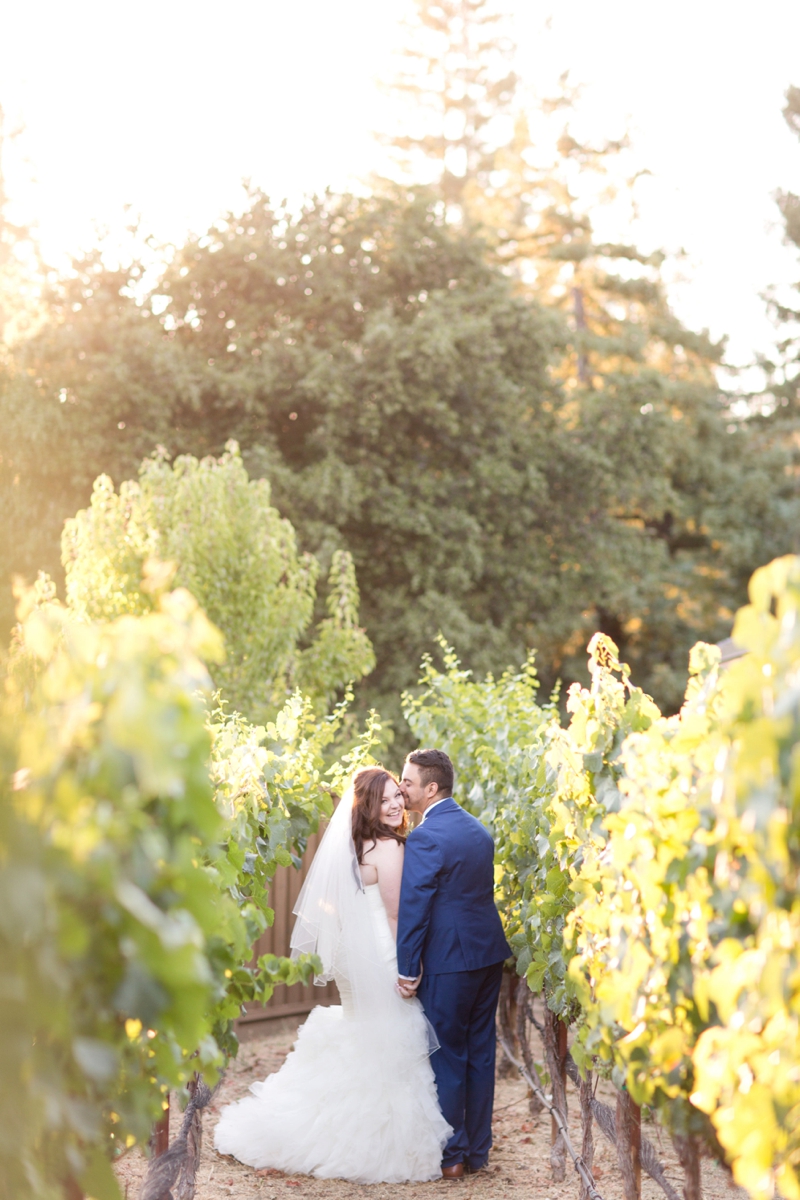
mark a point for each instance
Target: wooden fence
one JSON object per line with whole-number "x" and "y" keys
{"x": 295, "y": 1000}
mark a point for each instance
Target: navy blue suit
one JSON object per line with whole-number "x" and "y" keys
{"x": 448, "y": 926}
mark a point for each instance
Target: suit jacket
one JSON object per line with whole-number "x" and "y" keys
{"x": 448, "y": 919}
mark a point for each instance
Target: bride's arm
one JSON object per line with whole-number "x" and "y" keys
{"x": 388, "y": 858}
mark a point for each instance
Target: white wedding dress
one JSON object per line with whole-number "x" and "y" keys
{"x": 356, "y": 1098}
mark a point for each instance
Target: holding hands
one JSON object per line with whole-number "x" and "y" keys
{"x": 407, "y": 987}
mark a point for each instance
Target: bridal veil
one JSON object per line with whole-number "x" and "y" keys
{"x": 356, "y": 1098}
{"x": 335, "y": 921}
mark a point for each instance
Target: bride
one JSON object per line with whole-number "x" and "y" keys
{"x": 356, "y": 1098}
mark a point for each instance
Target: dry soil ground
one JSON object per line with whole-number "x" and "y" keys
{"x": 519, "y": 1164}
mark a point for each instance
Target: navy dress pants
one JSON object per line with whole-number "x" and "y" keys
{"x": 461, "y": 1008}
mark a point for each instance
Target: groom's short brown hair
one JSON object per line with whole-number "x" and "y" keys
{"x": 434, "y": 767}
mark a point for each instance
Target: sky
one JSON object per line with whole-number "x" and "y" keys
{"x": 166, "y": 106}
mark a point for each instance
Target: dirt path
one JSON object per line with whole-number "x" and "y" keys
{"x": 519, "y": 1164}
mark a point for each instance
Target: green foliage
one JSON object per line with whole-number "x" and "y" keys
{"x": 577, "y": 786}
{"x": 237, "y": 556}
{"x": 498, "y": 736}
{"x": 647, "y": 920}
{"x": 647, "y": 872}
{"x": 691, "y": 963}
{"x": 134, "y": 876}
{"x": 341, "y": 650}
{"x": 107, "y": 914}
{"x": 402, "y": 396}
{"x": 542, "y": 790}
{"x": 272, "y": 786}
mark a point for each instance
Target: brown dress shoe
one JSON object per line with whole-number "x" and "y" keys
{"x": 455, "y": 1171}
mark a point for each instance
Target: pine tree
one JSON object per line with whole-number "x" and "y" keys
{"x": 457, "y": 73}
{"x": 612, "y": 293}
{"x": 477, "y": 150}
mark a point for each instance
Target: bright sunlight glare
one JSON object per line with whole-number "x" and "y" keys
{"x": 166, "y": 107}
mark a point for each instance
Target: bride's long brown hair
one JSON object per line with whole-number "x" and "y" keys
{"x": 369, "y": 785}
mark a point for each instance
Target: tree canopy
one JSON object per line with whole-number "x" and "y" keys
{"x": 493, "y": 410}
{"x": 216, "y": 530}
{"x": 402, "y": 396}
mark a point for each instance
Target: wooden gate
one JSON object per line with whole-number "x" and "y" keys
{"x": 296, "y": 1000}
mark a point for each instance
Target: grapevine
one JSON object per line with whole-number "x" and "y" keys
{"x": 647, "y": 871}
{"x": 139, "y": 831}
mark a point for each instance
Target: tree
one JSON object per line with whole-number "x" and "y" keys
{"x": 457, "y": 75}
{"x": 94, "y": 390}
{"x": 783, "y": 373}
{"x": 399, "y": 392}
{"x": 404, "y": 411}
{"x": 404, "y": 408}
{"x": 20, "y": 266}
{"x": 526, "y": 199}
{"x": 218, "y": 532}
{"x": 640, "y": 388}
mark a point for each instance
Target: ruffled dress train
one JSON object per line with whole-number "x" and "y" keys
{"x": 356, "y": 1097}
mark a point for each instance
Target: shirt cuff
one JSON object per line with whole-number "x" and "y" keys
{"x": 410, "y": 978}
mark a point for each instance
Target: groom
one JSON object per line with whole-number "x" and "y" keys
{"x": 450, "y": 952}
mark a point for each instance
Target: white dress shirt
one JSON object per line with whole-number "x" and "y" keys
{"x": 432, "y": 806}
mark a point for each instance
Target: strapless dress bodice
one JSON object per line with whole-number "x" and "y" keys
{"x": 385, "y": 943}
{"x": 380, "y": 921}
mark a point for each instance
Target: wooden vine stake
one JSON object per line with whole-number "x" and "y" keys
{"x": 587, "y": 1144}
{"x": 523, "y": 1017}
{"x": 689, "y": 1158}
{"x": 509, "y": 1018}
{"x": 555, "y": 1046}
{"x": 628, "y": 1123}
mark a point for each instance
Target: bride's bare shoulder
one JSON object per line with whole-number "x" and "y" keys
{"x": 390, "y": 847}
{"x": 383, "y": 848}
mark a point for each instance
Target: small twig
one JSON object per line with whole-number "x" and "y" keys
{"x": 519, "y": 1100}
{"x": 531, "y": 1016}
